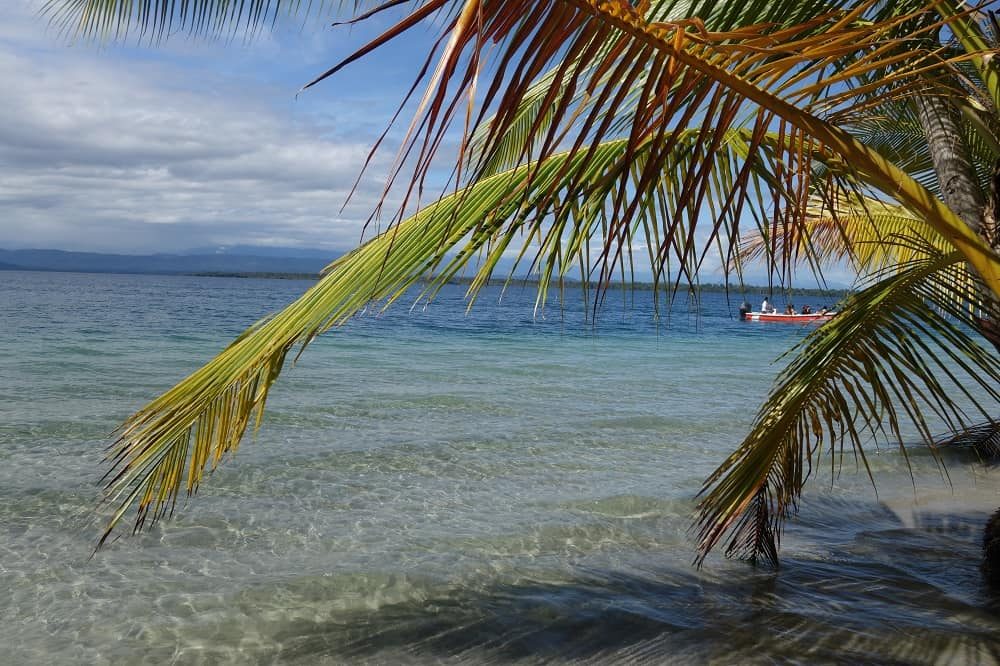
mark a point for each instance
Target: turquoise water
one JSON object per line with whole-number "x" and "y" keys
{"x": 431, "y": 487}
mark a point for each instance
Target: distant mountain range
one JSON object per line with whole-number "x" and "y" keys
{"x": 244, "y": 261}
{"x": 230, "y": 260}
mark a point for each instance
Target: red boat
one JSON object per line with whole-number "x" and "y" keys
{"x": 789, "y": 318}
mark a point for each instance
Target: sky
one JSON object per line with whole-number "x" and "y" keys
{"x": 199, "y": 144}
{"x": 191, "y": 143}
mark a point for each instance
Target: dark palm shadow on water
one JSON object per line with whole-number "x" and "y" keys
{"x": 884, "y": 594}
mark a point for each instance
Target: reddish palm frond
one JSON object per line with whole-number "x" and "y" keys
{"x": 689, "y": 76}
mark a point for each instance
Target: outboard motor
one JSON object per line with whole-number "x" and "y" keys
{"x": 744, "y": 310}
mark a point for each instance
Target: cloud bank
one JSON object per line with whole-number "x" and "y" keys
{"x": 124, "y": 151}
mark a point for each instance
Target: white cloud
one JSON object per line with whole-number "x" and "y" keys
{"x": 113, "y": 151}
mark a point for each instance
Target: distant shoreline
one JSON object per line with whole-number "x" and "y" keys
{"x": 266, "y": 275}
{"x": 273, "y": 266}
{"x": 745, "y": 290}
{"x": 639, "y": 286}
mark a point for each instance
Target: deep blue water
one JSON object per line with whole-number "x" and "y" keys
{"x": 432, "y": 486}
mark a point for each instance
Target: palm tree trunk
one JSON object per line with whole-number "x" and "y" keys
{"x": 962, "y": 193}
{"x": 960, "y": 188}
{"x": 989, "y": 325}
{"x": 952, "y": 163}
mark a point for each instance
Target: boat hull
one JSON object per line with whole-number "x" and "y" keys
{"x": 789, "y": 318}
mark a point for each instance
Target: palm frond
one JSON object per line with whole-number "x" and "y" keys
{"x": 983, "y": 438}
{"x": 170, "y": 442}
{"x": 898, "y": 349}
{"x": 967, "y": 28}
{"x": 691, "y": 77}
{"x": 716, "y": 15}
{"x": 677, "y": 118}
{"x": 893, "y": 130}
{"x": 870, "y": 233}
{"x": 520, "y": 213}
{"x": 156, "y": 20}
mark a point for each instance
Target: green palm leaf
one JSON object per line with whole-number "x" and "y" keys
{"x": 872, "y": 234}
{"x": 170, "y": 443}
{"x": 897, "y": 350}
{"x": 689, "y": 74}
{"x": 894, "y": 131}
{"x": 158, "y": 19}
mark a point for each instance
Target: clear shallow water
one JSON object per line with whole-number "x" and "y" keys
{"x": 430, "y": 486}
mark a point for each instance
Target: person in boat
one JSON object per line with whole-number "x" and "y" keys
{"x": 789, "y": 309}
{"x": 744, "y": 309}
{"x": 766, "y": 307}
{"x": 824, "y": 310}
{"x": 806, "y": 309}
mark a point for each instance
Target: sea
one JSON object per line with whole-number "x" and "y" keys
{"x": 437, "y": 485}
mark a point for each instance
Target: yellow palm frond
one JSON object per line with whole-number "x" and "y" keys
{"x": 870, "y": 233}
